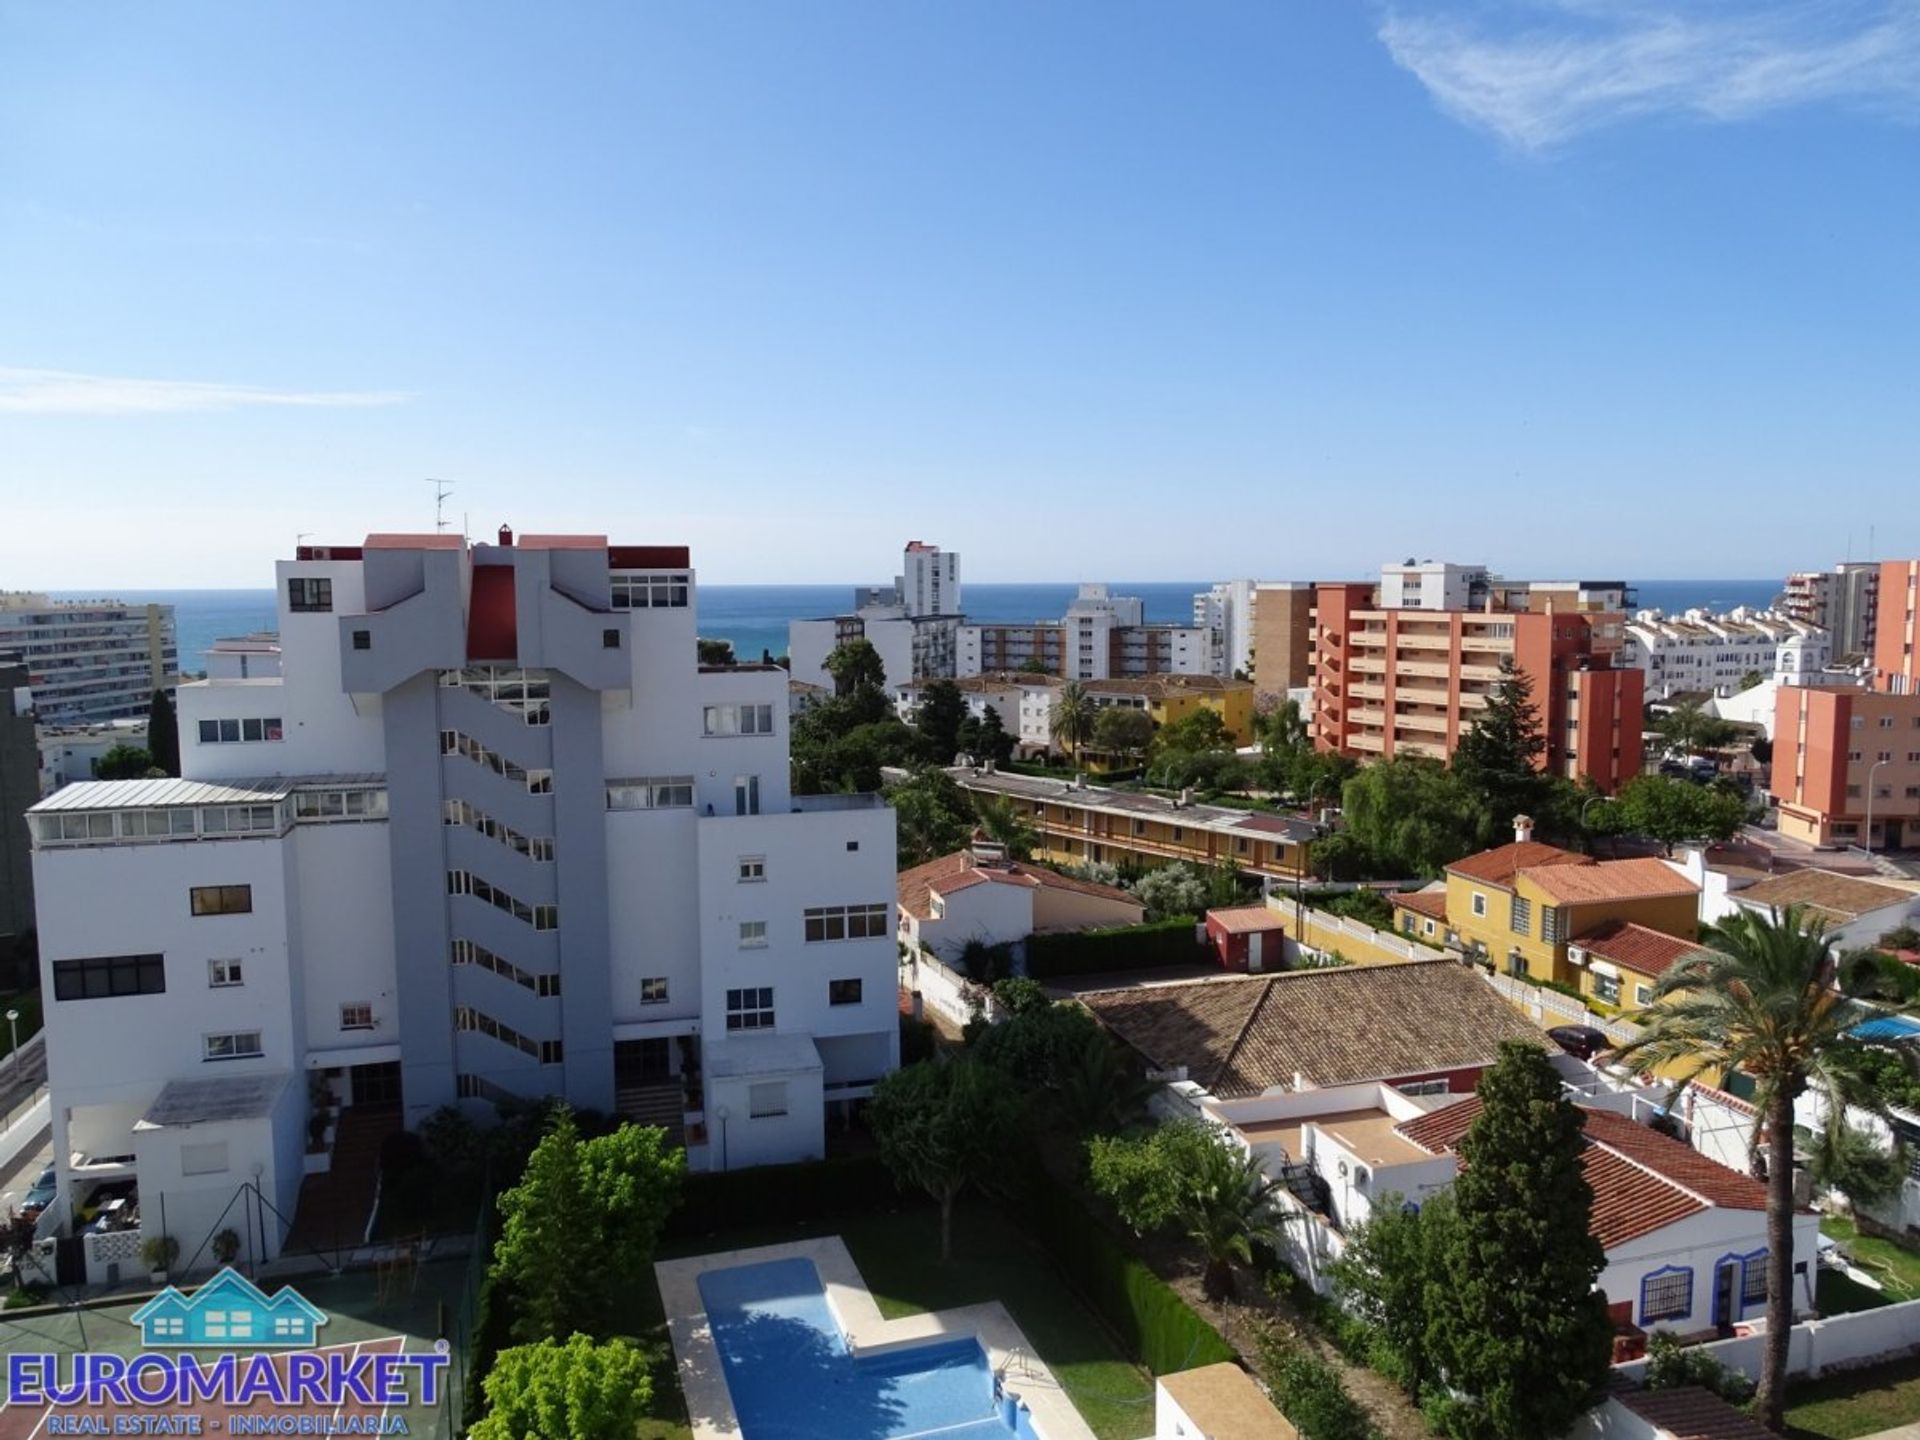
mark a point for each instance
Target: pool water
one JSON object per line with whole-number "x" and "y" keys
{"x": 1886, "y": 1027}
{"x": 793, "y": 1376}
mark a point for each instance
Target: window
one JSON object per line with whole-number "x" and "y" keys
{"x": 541, "y": 917}
{"x": 766, "y": 1101}
{"x": 1522, "y": 916}
{"x": 1479, "y": 903}
{"x": 753, "y": 868}
{"x": 1643, "y": 994}
{"x": 308, "y": 595}
{"x": 1753, "y": 1279}
{"x": 746, "y": 794}
{"x": 737, "y": 719}
{"x": 753, "y": 934}
{"x": 231, "y": 732}
{"x": 1425, "y": 1087}
{"x": 209, "y": 1159}
{"x": 363, "y": 639}
{"x": 653, "y": 990}
{"x": 1666, "y": 1295}
{"x": 846, "y": 922}
{"x": 649, "y": 592}
{"x": 1607, "y": 988}
{"x": 108, "y": 977}
{"x": 224, "y": 974}
{"x": 234, "y": 1045}
{"x": 609, "y": 639}
{"x": 658, "y": 792}
{"x": 169, "y": 1326}
{"x": 356, "y": 1016}
{"x": 222, "y": 899}
{"x": 843, "y": 992}
{"x": 750, "y": 1009}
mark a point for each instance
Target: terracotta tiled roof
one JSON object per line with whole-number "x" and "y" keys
{"x": 1838, "y": 897}
{"x": 1638, "y": 948}
{"x": 1499, "y": 865}
{"x": 960, "y": 870}
{"x": 1642, "y": 1180}
{"x": 1611, "y": 880}
{"x": 1688, "y": 1412}
{"x": 1245, "y": 919}
{"x": 1327, "y": 1027}
{"x": 1432, "y": 903}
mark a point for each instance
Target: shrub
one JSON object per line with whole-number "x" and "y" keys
{"x": 916, "y": 1040}
{"x": 1670, "y": 1364}
{"x": 1311, "y": 1394}
{"x": 985, "y": 964}
{"x": 1016, "y": 995}
{"x": 1369, "y": 907}
{"x": 159, "y": 1252}
{"x": 226, "y": 1245}
{"x": 1127, "y": 947}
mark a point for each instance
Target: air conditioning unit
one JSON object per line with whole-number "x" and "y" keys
{"x": 1360, "y": 1177}
{"x": 1576, "y": 955}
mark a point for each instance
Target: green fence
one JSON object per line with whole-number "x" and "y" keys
{"x": 1125, "y": 947}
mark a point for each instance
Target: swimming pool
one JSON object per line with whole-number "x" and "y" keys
{"x": 793, "y": 1375}
{"x": 1886, "y": 1027}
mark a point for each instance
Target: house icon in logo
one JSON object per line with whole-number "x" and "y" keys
{"x": 229, "y": 1310}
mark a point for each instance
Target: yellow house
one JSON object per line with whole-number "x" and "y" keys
{"x": 1620, "y": 962}
{"x": 1168, "y": 698}
{"x": 1519, "y": 907}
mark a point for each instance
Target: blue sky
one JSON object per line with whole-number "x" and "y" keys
{"x": 1083, "y": 290}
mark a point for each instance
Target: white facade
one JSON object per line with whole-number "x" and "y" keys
{"x": 70, "y": 752}
{"x": 1432, "y": 585}
{"x": 885, "y": 627}
{"x": 533, "y": 849}
{"x": 1699, "y": 651}
{"x": 244, "y": 657}
{"x": 90, "y": 660}
{"x": 1227, "y": 610}
{"x": 929, "y": 580}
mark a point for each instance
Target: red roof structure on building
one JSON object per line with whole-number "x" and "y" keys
{"x": 493, "y": 627}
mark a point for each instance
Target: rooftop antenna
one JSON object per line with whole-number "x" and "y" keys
{"x": 298, "y": 537}
{"x": 441, "y": 490}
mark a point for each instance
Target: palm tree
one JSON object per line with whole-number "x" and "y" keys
{"x": 1767, "y": 995}
{"x": 1074, "y": 712}
{"x": 1099, "y": 1092}
{"x": 1228, "y": 1209}
{"x": 1004, "y": 826}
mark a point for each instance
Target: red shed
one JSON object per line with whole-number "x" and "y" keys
{"x": 1248, "y": 938}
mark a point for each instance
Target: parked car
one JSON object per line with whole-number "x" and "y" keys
{"x": 40, "y": 1195}
{"x": 1583, "y": 1042}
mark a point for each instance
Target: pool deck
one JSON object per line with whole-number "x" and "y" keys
{"x": 703, "y": 1380}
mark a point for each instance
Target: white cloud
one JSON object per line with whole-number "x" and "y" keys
{"x": 1553, "y": 71}
{"x": 60, "y": 392}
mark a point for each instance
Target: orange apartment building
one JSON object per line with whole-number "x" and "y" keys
{"x": 1410, "y": 682}
{"x": 1282, "y": 636}
{"x": 1846, "y": 763}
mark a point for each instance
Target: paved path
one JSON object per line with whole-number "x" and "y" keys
{"x": 17, "y": 1083}
{"x": 1899, "y": 1432}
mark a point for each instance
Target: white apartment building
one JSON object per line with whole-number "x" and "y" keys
{"x": 1433, "y": 585}
{"x": 90, "y": 660}
{"x": 929, "y": 580}
{"x": 1699, "y": 651}
{"x": 914, "y": 623}
{"x": 1102, "y": 636}
{"x": 244, "y": 657}
{"x": 492, "y": 833}
{"x": 1227, "y": 610}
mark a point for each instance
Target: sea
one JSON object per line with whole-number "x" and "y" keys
{"x": 754, "y": 617}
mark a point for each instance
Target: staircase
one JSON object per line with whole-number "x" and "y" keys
{"x": 658, "y": 1102}
{"x": 336, "y": 1207}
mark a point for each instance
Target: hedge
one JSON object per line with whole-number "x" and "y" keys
{"x": 1124, "y": 947}
{"x": 1160, "y": 1329}
{"x": 716, "y": 1201}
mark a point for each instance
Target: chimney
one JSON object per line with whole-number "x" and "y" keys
{"x": 506, "y": 535}
{"x": 1522, "y": 829}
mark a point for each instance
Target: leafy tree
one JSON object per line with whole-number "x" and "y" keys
{"x": 1073, "y": 718}
{"x": 1201, "y": 729}
{"x": 1516, "y": 1325}
{"x": 1038, "y": 1045}
{"x": 1176, "y": 889}
{"x": 1100, "y": 1092}
{"x": 1413, "y": 816}
{"x": 123, "y": 762}
{"x": 1283, "y": 729}
{"x": 1034, "y": 665}
{"x": 1688, "y": 727}
{"x": 941, "y": 713}
{"x": 578, "y": 1231}
{"x": 715, "y": 652}
{"x": 1311, "y": 1394}
{"x": 1761, "y": 749}
{"x": 932, "y": 815}
{"x": 1005, "y": 825}
{"x": 1751, "y": 679}
{"x": 1769, "y": 996}
{"x": 995, "y": 743}
{"x": 1498, "y": 759}
{"x": 1673, "y": 811}
{"x": 1856, "y": 1163}
{"x": 1016, "y": 995}
{"x": 854, "y": 665}
{"x": 581, "y": 1389}
{"x": 943, "y": 1127}
{"x": 1369, "y": 907}
{"x": 163, "y": 732}
{"x": 1188, "y": 1177}
{"x": 1123, "y": 731}
{"x": 1386, "y": 1274}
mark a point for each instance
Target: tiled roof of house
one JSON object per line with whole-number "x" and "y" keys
{"x": 1431, "y": 903}
{"x": 1223, "y": 1400}
{"x": 1638, "y": 948}
{"x": 1688, "y": 1412}
{"x": 1839, "y": 898}
{"x": 1499, "y": 865}
{"x": 1245, "y": 919}
{"x": 1611, "y": 880}
{"x": 961, "y": 870}
{"x": 1642, "y": 1180}
{"x": 1326, "y": 1027}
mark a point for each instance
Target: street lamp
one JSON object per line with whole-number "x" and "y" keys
{"x": 1872, "y": 770}
{"x": 13, "y": 1027}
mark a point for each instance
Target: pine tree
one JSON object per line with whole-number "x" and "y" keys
{"x": 1516, "y": 1325}
{"x": 163, "y": 732}
{"x": 1498, "y": 759}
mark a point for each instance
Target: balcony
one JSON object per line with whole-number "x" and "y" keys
{"x": 1409, "y": 746}
{"x": 1369, "y": 692}
{"x": 1417, "y": 721}
{"x": 1423, "y": 669}
{"x": 821, "y": 804}
{"x": 1418, "y": 641}
{"x": 1368, "y": 664}
{"x": 1372, "y": 744}
{"x": 1373, "y": 717}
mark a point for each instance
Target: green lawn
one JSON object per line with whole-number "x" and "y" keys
{"x": 1894, "y": 1266}
{"x": 1839, "y": 1294}
{"x": 1859, "y": 1402}
{"x": 992, "y": 1260}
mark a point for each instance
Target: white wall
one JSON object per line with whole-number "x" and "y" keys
{"x": 652, "y": 875}
{"x": 741, "y": 1139}
{"x": 1699, "y": 1243}
{"x": 991, "y": 913}
{"x": 346, "y": 953}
